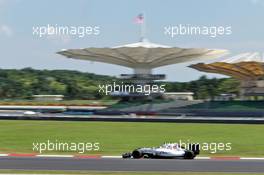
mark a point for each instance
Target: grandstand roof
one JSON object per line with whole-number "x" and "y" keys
{"x": 246, "y": 66}
{"x": 142, "y": 54}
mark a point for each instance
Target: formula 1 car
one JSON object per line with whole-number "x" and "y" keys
{"x": 165, "y": 151}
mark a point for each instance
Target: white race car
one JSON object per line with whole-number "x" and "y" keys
{"x": 165, "y": 151}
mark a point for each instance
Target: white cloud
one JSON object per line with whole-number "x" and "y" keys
{"x": 6, "y": 30}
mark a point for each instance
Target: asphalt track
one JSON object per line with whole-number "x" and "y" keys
{"x": 40, "y": 163}
{"x": 128, "y": 118}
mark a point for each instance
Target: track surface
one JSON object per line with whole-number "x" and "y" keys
{"x": 131, "y": 165}
{"x": 128, "y": 118}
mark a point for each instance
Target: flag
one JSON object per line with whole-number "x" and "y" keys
{"x": 139, "y": 19}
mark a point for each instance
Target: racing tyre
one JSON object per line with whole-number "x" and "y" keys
{"x": 189, "y": 155}
{"x": 137, "y": 154}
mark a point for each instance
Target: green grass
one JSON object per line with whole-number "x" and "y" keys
{"x": 116, "y": 137}
{"x": 118, "y": 173}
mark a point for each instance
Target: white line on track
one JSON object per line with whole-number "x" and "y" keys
{"x": 119, "y": 157}
{"x": 204, "y": 158}
{"x": 252, "y": 158}
{"x": 3, "y": 155}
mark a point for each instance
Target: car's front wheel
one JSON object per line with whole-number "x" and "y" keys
{"x": 137, "y": 154}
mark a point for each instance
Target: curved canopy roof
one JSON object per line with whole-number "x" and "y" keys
{"x": 246, "y": 66}
{"x": 142, "y": 54}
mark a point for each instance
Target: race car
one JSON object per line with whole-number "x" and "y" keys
{"x": 165, "y": 151}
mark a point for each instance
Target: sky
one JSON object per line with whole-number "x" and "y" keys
{"x": 20, "y": 48}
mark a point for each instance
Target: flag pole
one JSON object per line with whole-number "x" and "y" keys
{"x": 143, "y": 28}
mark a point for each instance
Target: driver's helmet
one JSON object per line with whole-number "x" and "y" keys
{"x": 175, "y": 146}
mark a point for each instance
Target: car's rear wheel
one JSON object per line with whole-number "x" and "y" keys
{"x": 189, "y": 155}
{"x": 137, "y": 154}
